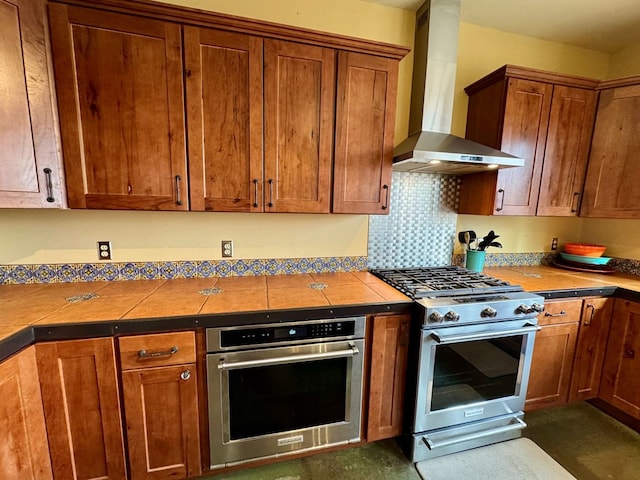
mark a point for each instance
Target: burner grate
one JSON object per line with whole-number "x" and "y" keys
{"x": 442, "y": 281}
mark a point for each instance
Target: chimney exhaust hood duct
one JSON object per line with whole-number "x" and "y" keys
{"x": 431, "y": 148}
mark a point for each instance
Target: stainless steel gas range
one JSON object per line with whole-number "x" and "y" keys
{"x": 472, "y": 358}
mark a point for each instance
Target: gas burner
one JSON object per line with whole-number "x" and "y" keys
{"x": 429, "y": 282}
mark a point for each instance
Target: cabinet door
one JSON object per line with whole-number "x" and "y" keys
{"x": 620, "y": 385}
{"x": 567, "y": 151}
{"x": 82, "y": 408}
{"x": 299, "y": 83}
{"x": 224, "y": 117}
{"x": 590, "y": 349}
{"x": 30, "y": 165}
{"x": 524, "y": 134}
{"x": 553, "y": 354}
{"x": 388, "y": 376}
{"x": 365, "y": 116}
{"x": 120, "y": 97}
{"x": 24, "y": 451}
{"x": 161, "y": 412}
{"x": 611, "y": 188}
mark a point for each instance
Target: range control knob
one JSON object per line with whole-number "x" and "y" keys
{"x": 536, "y": 307}
{"x": 451, "y": 316}
{"x": 524, "y": 309}
{"x": 436, "y": 317}
{"x": 489, "y": 312}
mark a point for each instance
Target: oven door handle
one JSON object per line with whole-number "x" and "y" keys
{"x": 439, "y": 338}
{"x": 517, "y": 424}
{"x": 350, "y": 352}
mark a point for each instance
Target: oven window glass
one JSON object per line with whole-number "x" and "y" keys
{"x": 469, "y": 372}
{"x": 279, "y": 398}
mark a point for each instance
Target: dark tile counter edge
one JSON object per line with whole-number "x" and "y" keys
{"x": 581, "y": 292}
{"x": 74, "y": 331}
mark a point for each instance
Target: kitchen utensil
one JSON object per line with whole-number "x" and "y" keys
{"x": 585, "y": 260}
{"x": 584, "y": 249}
{"x": 466, "y": 237}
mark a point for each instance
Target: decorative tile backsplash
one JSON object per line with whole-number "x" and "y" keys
{"x": 90, "y": 272}
{"x": 421, "y": 226}
{"x": 510, "y": 259}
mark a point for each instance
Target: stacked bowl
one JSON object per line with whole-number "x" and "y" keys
{"x": 584, "y": 254}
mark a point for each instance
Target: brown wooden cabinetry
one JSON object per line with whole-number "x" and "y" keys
{"x": 30, "y": 164}
{"x": 24, "y": 451}
{"x": 620, "y": 386}
{"x": 545, "y": 118}
{"x": 82, "y": 408}
{"x": 365, "y": 114}
{"x": 260, "y": 104}
{"x": 120, "y": 98}
{"x": 299, "y": 84}
{"x": 224, "y": 118}
{"x": 389, "y": 349}
{"x": 161, "y": 405}
{"x": 611, "y": 187}
{"x": 553, "y": 354}
{"x": 590, "y": 348}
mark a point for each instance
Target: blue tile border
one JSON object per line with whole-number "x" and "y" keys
{"x": 113, "y": 271}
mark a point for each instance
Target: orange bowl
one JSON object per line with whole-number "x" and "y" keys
{"x": 584, "y": 250}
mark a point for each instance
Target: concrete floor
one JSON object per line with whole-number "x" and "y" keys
{"x": 587, "y": 442}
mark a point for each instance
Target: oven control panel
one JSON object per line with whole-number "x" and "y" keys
{"x": 287, "y": 333}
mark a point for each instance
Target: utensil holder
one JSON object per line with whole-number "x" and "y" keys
{"x": 475, "y": 260}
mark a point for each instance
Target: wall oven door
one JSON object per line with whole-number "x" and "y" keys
{"x": 273, "y": 401}
{"x": 470, "y": 376}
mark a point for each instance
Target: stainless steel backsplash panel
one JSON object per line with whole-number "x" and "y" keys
{"x": 421, "y": 226}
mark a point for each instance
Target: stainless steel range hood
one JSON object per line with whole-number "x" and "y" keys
{"x": 431, "y": 148}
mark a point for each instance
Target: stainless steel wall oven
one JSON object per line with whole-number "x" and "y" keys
{"x": 283, "y": 388}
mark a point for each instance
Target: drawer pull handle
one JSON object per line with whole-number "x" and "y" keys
{"x": 145, "y": 354}
{"x": 561, "y": 314}
{"x": 186, "y": 375}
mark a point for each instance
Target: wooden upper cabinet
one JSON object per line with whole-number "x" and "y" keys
{"x": 24, "y": 450}
{"x": 120, "y": 99}
{"x": 82, "y": 408}
{"x": 545, "y": 118}
{"x": 224, "y": 118}
{"x": 30, "y": 164}
{"x": 611, "y": 187}
{"x": 365, "y": 117}
{"x": 299, "y": 99}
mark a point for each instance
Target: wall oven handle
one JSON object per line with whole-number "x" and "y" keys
{"x": 431, "y": 445}
{"x": 528, "y": 328}
{"x": 350, "y": 352}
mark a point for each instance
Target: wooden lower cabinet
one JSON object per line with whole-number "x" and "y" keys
{"x": 590, "y": 349}
{"x": 553, "y": 353}
{"x": 24, "y": 451}
{"x": 82, "y": 408}
{"x": 161, "y": 406}
{"x": 389, "y": 354}
{"x": 620, "y": 385}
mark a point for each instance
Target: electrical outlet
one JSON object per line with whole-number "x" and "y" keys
{"x": 104, "y": 250}
{"x": 554, "y": 243}
{"x": 227, "y": 248}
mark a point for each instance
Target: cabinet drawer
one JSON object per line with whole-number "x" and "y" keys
{"x": 156, "y": 350}
{"x": 562, "y": 311}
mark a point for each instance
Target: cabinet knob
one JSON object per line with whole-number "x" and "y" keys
{"x": 186, "y": 375}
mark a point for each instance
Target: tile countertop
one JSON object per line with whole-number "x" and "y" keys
{"x": 154, "y": 305}
{"x": 123, "y": 303}
{"x": 552, "y": 280}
